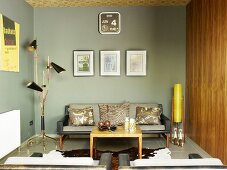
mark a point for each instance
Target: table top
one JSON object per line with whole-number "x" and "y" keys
{"x": 119, "y": 132}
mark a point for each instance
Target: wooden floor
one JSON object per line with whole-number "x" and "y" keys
{"x": 114, "y": 145}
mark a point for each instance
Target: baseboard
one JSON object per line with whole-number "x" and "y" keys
{"x": 198, "y": 148}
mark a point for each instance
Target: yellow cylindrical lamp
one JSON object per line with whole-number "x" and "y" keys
{"x": 177, "y": 99}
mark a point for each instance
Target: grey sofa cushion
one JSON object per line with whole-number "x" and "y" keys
{"x": 152, "y": 127}
{"x": 89, "y": 128}
{"x": 78, "y": 128}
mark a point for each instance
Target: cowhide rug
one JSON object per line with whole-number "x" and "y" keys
{"x": 131, "y": 151}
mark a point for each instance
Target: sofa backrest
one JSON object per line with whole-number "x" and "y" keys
{"x": 95, "y": 106}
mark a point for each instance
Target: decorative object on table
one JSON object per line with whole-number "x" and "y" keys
{"x": 110, "y": 63}
{"x": 177, "y": 116}
{"x": 126, "y": 125}
{"x": 83, "y": 63}
{"x": 109, "y": 23}
{"x": 102, "y": 128}
{"x": 42, "y": 95}
{"x": 106, "y": 126}
{"x": 9, "y": 44}
{"x": 132, "y": 125}
{"x": 112, "y": 128}
{"x": 102, "y": 125}
{"x": 107, "y": 123}
{"x": 136, "y": 63}
{"x": 180, "y": 140}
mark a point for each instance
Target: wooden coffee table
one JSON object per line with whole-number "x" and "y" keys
{"x": 119, "y": 133}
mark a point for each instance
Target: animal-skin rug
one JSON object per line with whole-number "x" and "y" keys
{"x": 133, "y": 154}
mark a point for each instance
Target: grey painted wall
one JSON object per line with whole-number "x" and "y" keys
{"x": 13, "y": 93}
{"x": 159, "y": 30}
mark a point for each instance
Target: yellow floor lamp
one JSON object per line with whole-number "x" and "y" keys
{"x": 177, "y": 116}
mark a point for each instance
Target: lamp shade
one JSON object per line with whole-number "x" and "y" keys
{"x": 57, "y": 68}
{"x": 32, "y": 46}
{"x": 177, "y": 99}
{"x": 32, "y": 85}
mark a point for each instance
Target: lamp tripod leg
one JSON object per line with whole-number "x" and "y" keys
{"x": 34, "y": 140}
{"x": 42, "y": 137}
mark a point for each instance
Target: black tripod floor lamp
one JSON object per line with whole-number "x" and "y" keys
{"x": 42, "y": 95}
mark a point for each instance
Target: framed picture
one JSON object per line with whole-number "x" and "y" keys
{"x": 136, "y": 63}
{"x": 110, "y": 63}
{"x": 83, "y": 63}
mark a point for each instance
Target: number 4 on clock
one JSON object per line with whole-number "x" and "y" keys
{"x": 114, "y": 22}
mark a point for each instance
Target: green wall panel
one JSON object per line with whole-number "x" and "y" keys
{"x": 159, "y": 30}
{"x": 13, "y": 93}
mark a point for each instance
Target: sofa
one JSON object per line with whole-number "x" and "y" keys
{"x": 64, "y": 128}
{"x": 158, "y": 163}
{"x": 59, "y": 162}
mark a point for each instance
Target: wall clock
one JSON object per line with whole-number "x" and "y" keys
{"x": 109, "y": 23}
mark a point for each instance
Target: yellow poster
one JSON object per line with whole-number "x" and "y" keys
{"x": 9, "y": 44}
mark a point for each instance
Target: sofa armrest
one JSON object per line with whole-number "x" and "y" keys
{"x": 124, "y": 159}
{"x": 106, "y": 159}
{"x": 165, "y": 121}
{"x": 59, "y": 126}
{"x": 62, "y": 122}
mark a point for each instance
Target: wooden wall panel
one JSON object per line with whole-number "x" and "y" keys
{"x": 206, "y": 75}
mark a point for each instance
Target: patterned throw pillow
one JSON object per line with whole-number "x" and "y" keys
{"x": 79, "y": 117}
{"x": 114, "y": 113}
{"x": 148, "y": 116}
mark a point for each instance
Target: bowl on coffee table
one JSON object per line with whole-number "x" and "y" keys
{"x": 106, "y": 125}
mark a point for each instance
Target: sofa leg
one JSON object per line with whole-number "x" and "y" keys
{"x": 167, "y": 140}
{"x": 61, "y": 143}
